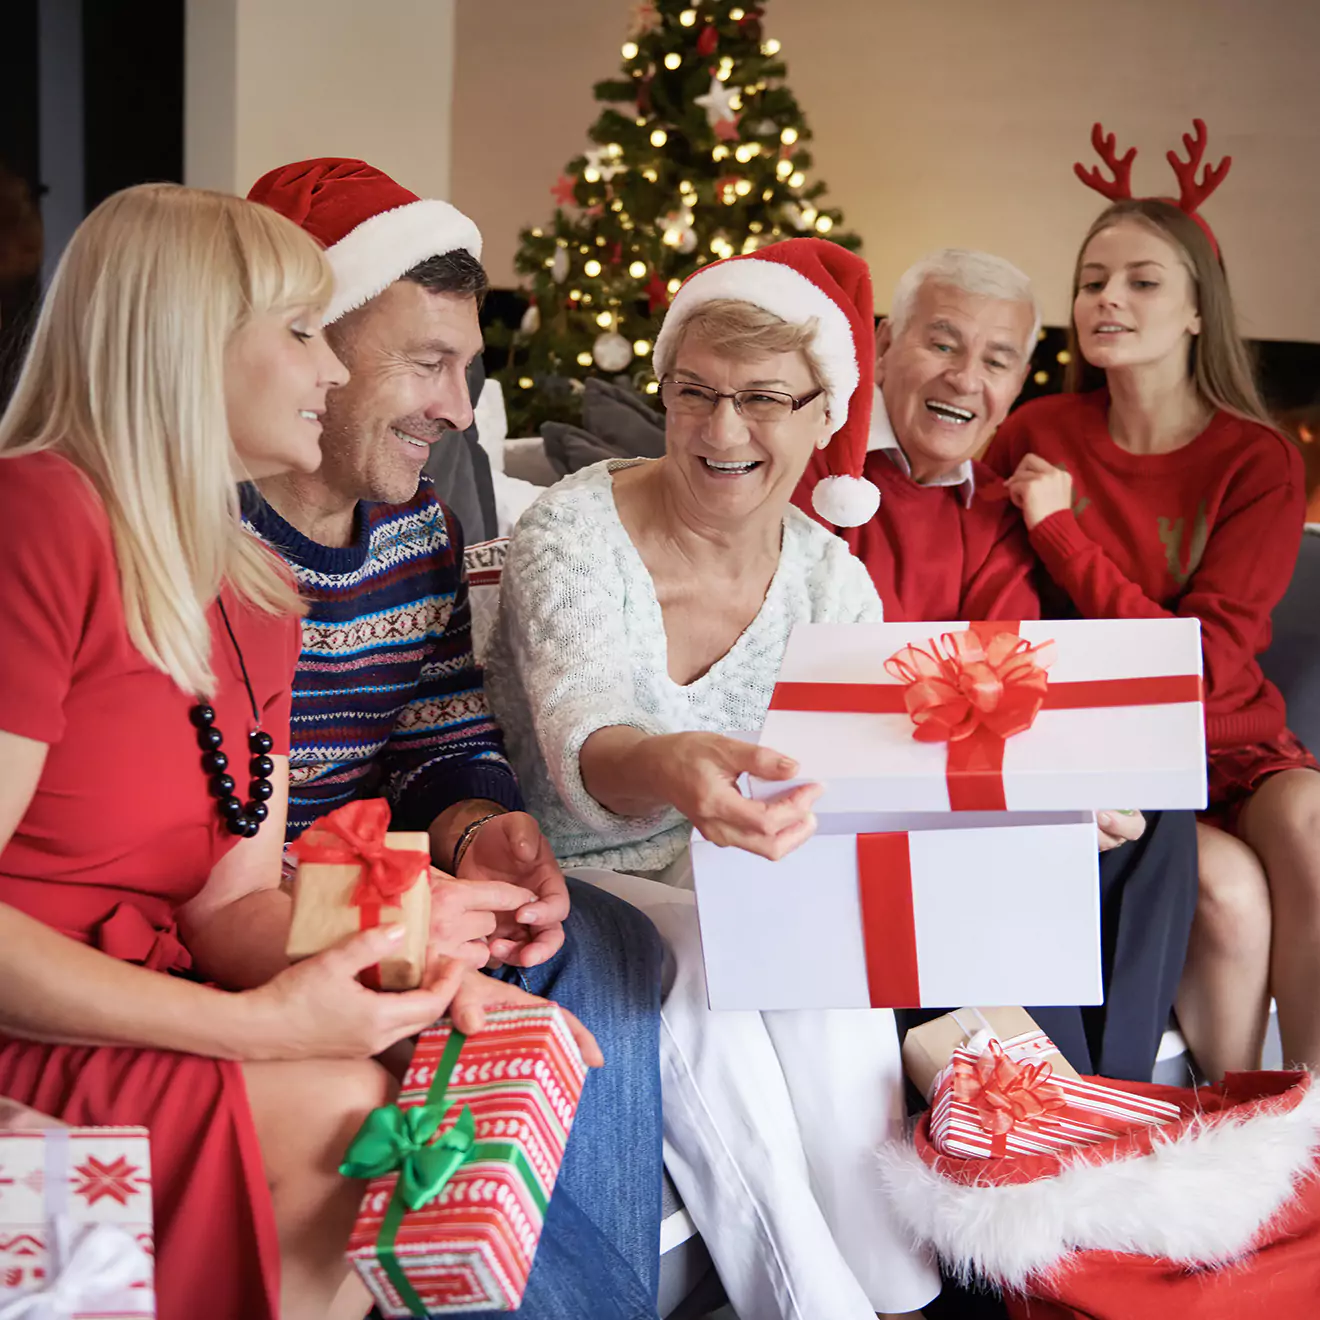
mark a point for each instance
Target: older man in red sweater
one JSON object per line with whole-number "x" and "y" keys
{"x": 947, "y": 544}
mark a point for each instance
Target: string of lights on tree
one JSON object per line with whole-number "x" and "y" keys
{"x": 700, "y": 153}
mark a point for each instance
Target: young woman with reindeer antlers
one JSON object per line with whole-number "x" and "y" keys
{"x": 1158, "y": 486}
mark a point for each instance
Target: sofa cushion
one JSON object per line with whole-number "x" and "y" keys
{"x": 622, "y": 420}
{"x": 1293, "y": 658}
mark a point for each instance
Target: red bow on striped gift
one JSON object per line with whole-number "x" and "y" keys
{"x": 1003, "y": 1093}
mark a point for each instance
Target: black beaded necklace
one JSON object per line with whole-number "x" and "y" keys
{"x": 239, "y": 819}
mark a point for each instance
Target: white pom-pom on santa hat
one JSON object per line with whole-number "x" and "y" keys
{"x": 845, "y": 501}
{"x": 806, "y": 281}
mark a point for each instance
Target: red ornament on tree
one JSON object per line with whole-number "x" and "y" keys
{"x": 657, "y": 294}
{"x": 562, "y": 190}
{"x": 616, "y": 253}
{"x": 727, "y": 130}
{"x": 644, "y": 95}
{"x": 708, "y": 40}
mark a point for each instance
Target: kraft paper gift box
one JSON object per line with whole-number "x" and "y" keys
{"x": 75, "y": 1222}
{"x": 1003, "y": 1097}
{"x": 906, "y": 911}
{"x": 463, "y": 1166}
{"x": 928, "y": 1048}
{"x": 352, "y": 874}
{"x": 1036, "y": 716}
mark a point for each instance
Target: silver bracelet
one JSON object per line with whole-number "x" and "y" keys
{"x": 469, "y": 833}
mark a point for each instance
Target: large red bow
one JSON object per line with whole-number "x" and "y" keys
{"x": 965, "y": 682}
{"x": 1004, "y": 1093}
{"x": 354, "y": 834}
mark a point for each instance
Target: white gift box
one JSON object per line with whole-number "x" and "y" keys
{"x": 75, "y": 1224}
{"x": 906, "y": 911}
{"x": 1121, "y": 724}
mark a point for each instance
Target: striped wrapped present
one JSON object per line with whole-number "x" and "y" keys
{"x": 463, "y": 1165}
{"x": 995, "y": 1098}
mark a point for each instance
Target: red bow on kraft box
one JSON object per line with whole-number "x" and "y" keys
{"x": 988, "y": 1104}
{"x": 974, "y": 690}
{"x": 352, "y": 875}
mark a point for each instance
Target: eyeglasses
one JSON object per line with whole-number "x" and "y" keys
{"x": 688, "y": 399}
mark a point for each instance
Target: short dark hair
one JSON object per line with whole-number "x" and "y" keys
{"x": 457, "y": 272}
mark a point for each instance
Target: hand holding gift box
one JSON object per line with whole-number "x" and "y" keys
{"x": 993, "y": 716}
{"x": 353, "y": 875}
{"x": 75, "y": 1222}
{"x": 463, "y": 1166}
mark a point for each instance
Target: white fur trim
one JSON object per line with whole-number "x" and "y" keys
{"x": 845, "y": 501}
{"x": 786, "y": 293}
{"x": 1202, "y": 1198}
{"x": 368, "y": 259}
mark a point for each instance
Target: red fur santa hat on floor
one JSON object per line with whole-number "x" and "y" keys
{"x": 805, "y": 280}
{"x": 373, "y": 229}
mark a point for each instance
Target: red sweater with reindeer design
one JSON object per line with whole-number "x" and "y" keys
{"x": 1210, "y": 530}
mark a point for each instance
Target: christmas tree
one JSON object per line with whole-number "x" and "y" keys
{"x": 700, "y": 153}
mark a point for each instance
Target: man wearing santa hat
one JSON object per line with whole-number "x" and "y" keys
{"x": 388, "y": 700}
{"x": 945, "y": 544}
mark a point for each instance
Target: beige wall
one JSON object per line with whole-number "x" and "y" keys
{"x": 272, "y": 81}
{"x": 954, "y": 123}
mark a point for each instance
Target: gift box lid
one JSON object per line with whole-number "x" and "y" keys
{"x": 1045, "y": 716}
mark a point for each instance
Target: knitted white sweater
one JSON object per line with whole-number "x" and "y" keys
{"x": 580, "y": 645}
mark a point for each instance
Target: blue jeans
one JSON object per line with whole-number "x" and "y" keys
{"x": 599, "y": 1254}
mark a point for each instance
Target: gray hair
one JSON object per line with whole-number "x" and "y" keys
{"x": 970, "y": 272}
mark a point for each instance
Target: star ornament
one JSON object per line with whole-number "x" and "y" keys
{"x": 728, "y": 130}
{"x": 657, "y": 294}
{"x": 119, "y": 1180}
{"x": 603, "y": 163}
{"x": 562, "y": 191}
{"x": 717, "y": 103}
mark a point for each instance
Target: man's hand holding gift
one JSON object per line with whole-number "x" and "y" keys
{"x": 501, "y": 854}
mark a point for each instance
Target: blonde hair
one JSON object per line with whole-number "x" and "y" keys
{"x": 124, "y": 377}
{"x": 1220, "y": 363}
{"x": 742, "y": 330}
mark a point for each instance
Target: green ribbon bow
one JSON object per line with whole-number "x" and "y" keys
{"x": 392, "y": 1138}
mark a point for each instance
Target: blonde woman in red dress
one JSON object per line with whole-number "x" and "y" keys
{"x": 1156, "y": 487}
{"x": 147, "y": 647}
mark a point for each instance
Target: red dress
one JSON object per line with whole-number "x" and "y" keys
{"x": 120, "y": 833}
{"x": 1209, "y": 531}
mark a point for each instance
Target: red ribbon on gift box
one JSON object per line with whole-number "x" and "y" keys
{"x": 1004, "y": 1094}
{"x": 975, "y": 690}
{"x": 354, "y": 835}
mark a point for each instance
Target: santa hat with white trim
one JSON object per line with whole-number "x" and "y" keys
{"x": 373, "y": 229}
{"x": 803, "y": 280}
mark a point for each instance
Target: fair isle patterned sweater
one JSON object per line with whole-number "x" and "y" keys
{"x": 387, "y": 698}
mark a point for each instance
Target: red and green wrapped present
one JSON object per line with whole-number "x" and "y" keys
{"x": 354, "y": 874}
{"x": 463, "y": 1165}
{"x": 75, "y": 1221}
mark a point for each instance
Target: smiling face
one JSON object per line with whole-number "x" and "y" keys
{"x": 727, "y": 466}
{"x": 1135, "y": 304}
{"x": 408, "y": 350}
{"x": 951, "y": 373}
{"x": 278, "y": 368}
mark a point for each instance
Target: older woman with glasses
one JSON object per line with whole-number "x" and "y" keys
{"x": 645, "y": 608}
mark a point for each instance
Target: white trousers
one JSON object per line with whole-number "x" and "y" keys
{"x": 771, "y": 1125}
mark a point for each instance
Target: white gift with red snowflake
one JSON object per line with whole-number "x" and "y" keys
{"x": 75, "y": 1225}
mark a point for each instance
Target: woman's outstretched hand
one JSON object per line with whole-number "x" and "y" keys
{"x": 698, "y": 773}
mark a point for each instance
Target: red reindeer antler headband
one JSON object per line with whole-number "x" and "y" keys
{"x": 1192, "y": 192}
